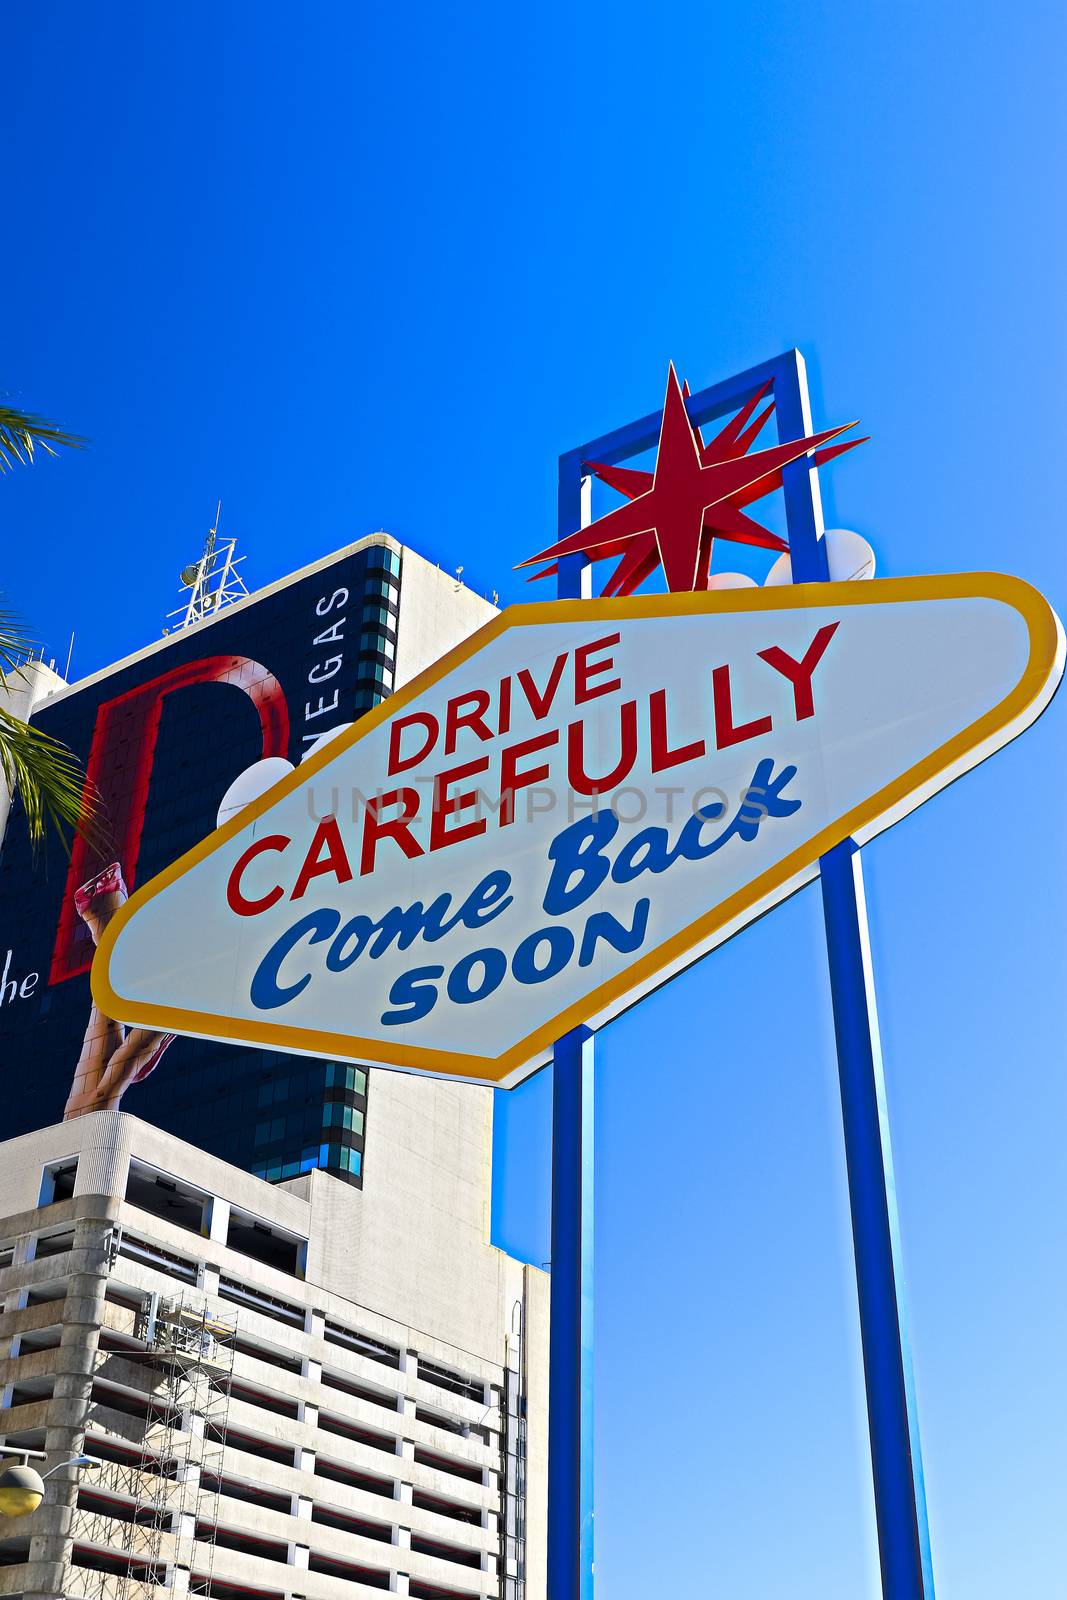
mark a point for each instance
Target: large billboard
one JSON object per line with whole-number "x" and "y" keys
{"x": 165, "y": 737}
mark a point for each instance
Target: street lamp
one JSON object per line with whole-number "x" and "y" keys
{"x": 21, "y": 1491}
{"x": 22, "y": 1486}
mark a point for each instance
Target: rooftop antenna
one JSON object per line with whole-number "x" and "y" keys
{"x": 212, "y": 582}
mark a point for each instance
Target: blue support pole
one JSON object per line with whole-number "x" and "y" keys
{"x": 570, "y": 1378}
{"x": 570, "y": 1415}
{"x": 892, "y": 1416}
{"x": 899, "y": 1493}
{"x": 896, "y": 1458}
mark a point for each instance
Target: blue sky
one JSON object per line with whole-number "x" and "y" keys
{"x": 351, "y": 268}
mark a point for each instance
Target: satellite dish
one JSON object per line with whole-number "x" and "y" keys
{"x": 848, "y": 556}
{"x": 325, "y": 738}
{"x": 731, "y": 580}
{"x": 251, "y": 783}
{"x": 189, "y": 574}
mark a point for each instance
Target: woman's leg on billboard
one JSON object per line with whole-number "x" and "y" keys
{"x": 96, "y": 903}
{"x": 135, "y": 1058}
{"x": 102, "y": 1038}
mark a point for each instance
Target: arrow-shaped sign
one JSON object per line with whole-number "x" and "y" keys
{"x": 577, "y": 803}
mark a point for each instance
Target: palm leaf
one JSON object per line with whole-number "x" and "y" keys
{"x": 21, "y": 433}
{"x": 49, "y": 779}
{"x": 54, "y": 792}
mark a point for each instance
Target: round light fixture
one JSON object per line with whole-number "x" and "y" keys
{"x": 21, "y": 1491}
{"x": 848, "y": 556}
{"x": 325, "y": 738}
{"x": 731, "y": 580}
{"x": 251, "y": 783}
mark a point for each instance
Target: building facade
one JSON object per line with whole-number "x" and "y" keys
{"x": 171, "y": 737}
{"x": 297, "y": 1391}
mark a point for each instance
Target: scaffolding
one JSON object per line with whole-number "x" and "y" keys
{"x": 171, "y": 1489}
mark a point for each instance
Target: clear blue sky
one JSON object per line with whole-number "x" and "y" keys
{"x": 361, "y": 267}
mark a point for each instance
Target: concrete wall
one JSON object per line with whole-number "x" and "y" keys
{"x": 436, "y": 613}
{"x": 417, "y": 1238}
{"x": 536, "y": 1383}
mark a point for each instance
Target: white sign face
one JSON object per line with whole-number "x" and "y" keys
{"x": 578, "y": 802}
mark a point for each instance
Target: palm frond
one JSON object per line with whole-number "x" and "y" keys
{"x": 21, "y": 433}
{"x": 54, "y": 792}
{"x": 50, "y": 781}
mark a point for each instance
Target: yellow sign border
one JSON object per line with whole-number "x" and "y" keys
{"x": 1046, "y": 652}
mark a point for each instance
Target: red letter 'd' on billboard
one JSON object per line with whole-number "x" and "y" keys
{"x": 119, "y": 769}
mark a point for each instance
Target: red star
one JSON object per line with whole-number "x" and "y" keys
{"x": 695, "y": 494}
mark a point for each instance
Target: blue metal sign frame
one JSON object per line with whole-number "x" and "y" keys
{"x": 899, "y": 1493}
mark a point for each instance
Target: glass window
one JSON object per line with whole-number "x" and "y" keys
{"x": 337, "y": 1115}
{"x": 374, "y": 669}
{"x": 377, "y": 616}
{"x": 380, "y": 556}
{"x": 340, "y": 1076}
